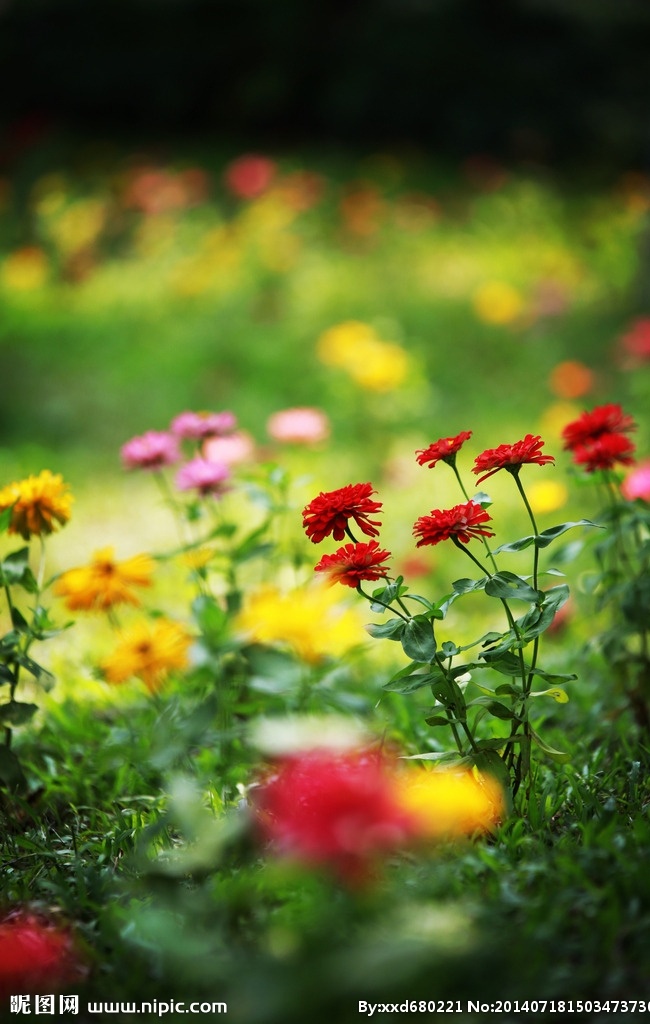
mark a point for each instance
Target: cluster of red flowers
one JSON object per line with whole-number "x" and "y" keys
{"x": 36, "y": 955}
{"x": 330, "y": 513}
{"x": 597, "y": 439}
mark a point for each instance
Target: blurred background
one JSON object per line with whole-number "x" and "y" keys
{"x": 197, "y": 195}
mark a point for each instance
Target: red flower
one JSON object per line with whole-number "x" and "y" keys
{"x": 35, "y": 955}
{"x": 443, "y": 450}
{"x": 604, "y": 419}
{"x": 332, "y": 809}
{"x": 511, "y": 457}
{"x": 330, "y": 510}
{"x": 604, "y": 452}
{"x": 462, "y": 522}
{"x": 354, "y": 562}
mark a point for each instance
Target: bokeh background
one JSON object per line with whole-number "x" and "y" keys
{"x": 468, "y": 181}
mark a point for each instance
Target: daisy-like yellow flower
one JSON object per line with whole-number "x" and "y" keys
{"x": 37, "y": 504}
{"x": 105, "y": 583}
{"x": 447, "y": 803}
{"x": 148, "y": 651}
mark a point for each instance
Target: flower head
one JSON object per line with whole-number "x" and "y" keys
{"x": 203, "y": 476}
{"x": 148, "y": 651}
{"x": 151, "y": 450}
{"x": 637, "y": 484}
{"x": 353, "y": 563}
{"x": 195, "y": 426}
{"x": 231, "y": 450}
{"x": 329, "y": 512}
{"x": 604, "y": 419}
{"x": 462, "y": 522}
{"x": 447, "y": 803}
{"x": 604, "y": 452}
{"x": 332, "y": 809}
{"x": 443, "y": 450}
{"x": 104, "y": 583}
{"x": 250, "y": 175}
{"x": 298, "y": 426}
{"x": 36, "y": 955}
{"x": 511, "y": 457}
{"x": 37, "y": 504}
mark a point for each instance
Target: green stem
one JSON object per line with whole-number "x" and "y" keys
{"x": 375, "y": 600}
{"x": 534, "y": 525}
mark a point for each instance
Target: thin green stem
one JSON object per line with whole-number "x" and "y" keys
{"x": 531, "y": 516}
{"x": 375, "y": 600}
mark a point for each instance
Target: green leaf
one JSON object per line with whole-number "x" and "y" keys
{"x": 6, "y": 675}
{"x": 10, "y": 771}
{"x": 495, "y": 707}
{"x": 16, "y": 713}
{"x": 418, "y": 640}
{"x": 555, "y": 755}
{"x": 387, "y": 594}
{"x": 540, "y": 618}
{"x": 5, "y": 518}
{"x": 391, "y": 630}
{"x": 210, "y": 617}
{"x": 408, "y": 684}
{"x": 467, "y": 586}
{"x": 435, "y": 720}
{"x": 547, "y": 537}
{"x": 507, "y": 585}
{"x": 14, "y": 570}
{"x": 505, "y": 662}
{"x": 556, "y": 692}
{"x": 45, "y": 678}
{"x": 515, "y": 545}
{"x": 482, "y": 499}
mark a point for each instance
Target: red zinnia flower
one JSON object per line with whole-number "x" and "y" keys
{"x": 604, "y": 452}
{"x": 35, "y": 955}
{"x": 333, "y": 809}
{"x": 511, "y": 457}
{"x": 462, "y": 522}
{"x": 604, "y": 419}
{"x": 330, "y": 510}
{"x": 443, "y": 450}
{"x": 353, "y": 563}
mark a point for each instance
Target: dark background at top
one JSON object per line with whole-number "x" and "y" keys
{"x": 556, "y": 80}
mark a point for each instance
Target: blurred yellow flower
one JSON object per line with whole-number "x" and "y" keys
{"x": 309, "y": 620}
{"x": 104, "y": 583}
{"x": 450, "y": 803}
{"x": 25, "y": 269}
{"x": 197, "y": 558}
{"x": 79, "y": 225}
{"x": 547, "y": 496}
{"x": 555, "y": 418}
{"x": 356, "y": 348}
{"x": 37, "y": 504}
{"x": 497, "y": 302}
{"x": 148, "y": 651}
{"x": 337, "y": 343}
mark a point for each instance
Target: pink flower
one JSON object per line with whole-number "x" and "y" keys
{"x": 231, "y": 450}
{"x": 298, "y": 426}
{"x": 249, "y": 176}
{"x": 196, "y": 426}
{"x": 637, "y": 484}
{"x": 203, "y": 476}
{"x": 150, "y": 451}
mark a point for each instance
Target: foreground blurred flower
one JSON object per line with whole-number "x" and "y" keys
{"x": 37, "y": 504}
{"x": 511, "y": 457}
{"x": 460, "y": 523}
{"x": 151, "y": 450}
{"x": 309, "y": 620}
{"x": 249, "y": 176}
{"x": 36, "y": 956}
{"x": 231, "y": 450}
{"x": 604, "y": 452}
{"x": 604, "y": 419}
{"x": 104, "y": 583}
{"x": 447, "y": 803}
{"x": 196, "y": 426}
{"x": 148, "y": 651}
{"x": 204, "y": 476}
{"x": 353, "y": 563}
{"x": 637, "y": 484}
{"x": 332, "y": 809}
{"x": 443, "y": 450}
{"x": 298, "y": 426}
{"x": 329, "y": 512}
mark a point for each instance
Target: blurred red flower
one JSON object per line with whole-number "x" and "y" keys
{"x": 604, "y": 452}
{"x": 249, "y": 176}
{"x": 462, "y": 522}
{"x": 604, "y": 419}
{"x": 329, "y": 512}
{"x": 353, "y": 563}
{"x": 338, "y": 810}
{"x": 635, "y": 343}
{"x": 36, "y": 955}
{"x": 443, "y": 450}
{"x": 511, "y": 457}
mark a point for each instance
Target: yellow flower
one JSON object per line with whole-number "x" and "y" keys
{"x": 37, "y": 504}
{"x": 335, "y": 345}
{"x": 149, "y": 651}
{"x": 105, "y": 582}
{"x": 310, "y": 620}
{"x": 25, "y": 269}
{"x": 356, "y": 348}
{"x": 497, "y": 302}
{"x": 547, "y": 496}
{"x": 449, "y": 803}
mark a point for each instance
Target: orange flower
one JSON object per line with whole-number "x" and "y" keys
{"x": 105, "y": 582}
{"x": 148, "y": 651}
{"x": 36, "y": 504}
